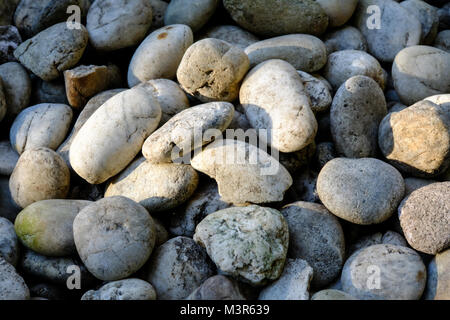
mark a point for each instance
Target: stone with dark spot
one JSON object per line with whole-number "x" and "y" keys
{"x": 10, "y": 39}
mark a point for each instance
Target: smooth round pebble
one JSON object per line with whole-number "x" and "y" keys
{"x": 438, "y": 277}
{"x": 12, "y": 285}
{"x": 233, "y": 34}
{"x": 17, "y": 88}
{"x": 194, "y": 13}
{"x": 332, "y": 294}
{"x": 345, "y": 38}
{"x": 114, "y": 237}
{"x": 338, "y": 11}
{"x": 9, "y": 243}
{"x": 128, "y": 289}
{"x": 217, "y": 287}
{"x": 8, "y": 158}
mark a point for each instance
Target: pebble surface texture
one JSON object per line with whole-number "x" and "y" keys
{"x": 401, "y": 266}
{"x": 9, "y": 243}
{"x": 438, "y": 277}
{"x": 128, "y": 289}
{"x": 118, "y": 221}
{"x": 363, "y": 191}
{"x": 425, "y": 218}
{"x": 249, "y": 242}
{"x": 217, "y": 288}
{"x": 12, "y": 285}
{"x": 178, "y": 267}
{"x": 53, "y": 50}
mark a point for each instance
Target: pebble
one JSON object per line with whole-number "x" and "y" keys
{"x": 293, "y": 283}
{"x": 53, "y": 50}
{"x": 91, "y": 106}
{"x": 357, "y": 110}
{"x": 419, "y": 72}
{"x": 442, "y": 40}
{"x": 10, "y": 39}
{"x": 83, "y": 82}
{"x": 342, "y": 65}
{"x": 425, "y": 218}
{"x": 412, "y": 184}
{"x": 318, "y": 91}
{"x": 8, "y": 158}
{"x": 242, "y": 179}
{"x": 159, "y": 55}
{"x": 316, "y": 236}
{"x": 249, "y": 243}
{"x": 186, "y": 131}
{"x": 159, "y": 8}
{"x": 416, "y": 140}
{"x": 107, "y": 143}
{"x": 217, "y": 287}
{"x": 338, "y": 11}
{"x": 9, "y": 208}
{"x": 401, "y": 271}
{"x": 9, "y": 243}
{"x": 268, "y": 18}
{"x": 49, "y": 91}
{"x": 428, "y": 17}
{"x": 274, "y": 98}
{"x": 128, "y": 289}
{"x": 117, "y": 24}
{"x": 232, "y": 34}
{"x": 2, "y": 101}
{"x": 438, "y": 279}
{"x": 345, "y": 38}
{"x": 12, "y": 285}
{"x": 362, "y": 191}
{"x": 402, "y": 33}
{"x": 193, "y": 13}
{"x": 40, "y": 174}
{"x": 390, "y": 237}
{"x": 304, "y": 52}
{"x": 41, "y": 126}
{"x": 114, "y": 237}
{"x": 212, "y": 70}
{"x": 16, "y": 87}
{"x": 46, "y": 226}
{"x": 178, "y": 267}
{"x": 157, "y": 187}
{"x": 332, "y": 294}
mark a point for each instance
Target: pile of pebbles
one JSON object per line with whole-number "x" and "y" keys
{"x": 107, "y": 192}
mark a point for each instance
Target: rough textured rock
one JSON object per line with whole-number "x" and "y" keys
{"x": 244, "y": 173}
{"x": 31, "y": 16}
{"x": 293, "y": 283}
{"x": 157, "y": 187}
{"x": 159, "y": 55}
{"x": 401, "y": 33}
{"x": 304, "y": 52}
{"x": 249, "y": 243}
{"x": 338, "y": 11}
{"x": 438, "y": 277}
{"x": 114, "y": 134}
{"x": 274, "y": 98}
{"x": 49, "y": 91}
{"x": 188, "y": 130}
{"x": 217, "y": 288}
{"x": 88, "y": 110}
{"x": 117, "y": 24}
{"x": 315, "y": 235}
{"x": 346, "y": 38}
{"x": 419, "y": 72}
{"x": 128, "y": 289}
{"x": 53, "y": 50}
{"x": 9, "y": 244}
{"x": 268, "y": 18}
{"x": 233, "y": 34}
{"x": 363, "y": 191}
{"x": 417, "y": 139}
{"x": 41, "y": 126}
{"x": 16, "y": 87}
{"x": 425, "y": 218}
{"x": 114, "y": 237}
{"x": 178, "y": 267}
{"x": 212, "y": 70}
{"x": 10, "y": 39}
{"x": 12, "y": 285}
{"x": 205, "y": 200}
{"x": 170, "y": 96}
{"x": 319, "y": 93}
{"x": 401, "y": 271}
{"x": 8, "y": 158}
{"x": 40, "y": 174}
{"x": 357, "y": 110}
{"x": 83, "y": 82}
{"x": 332, "y": 294}
{"x": 194, "y": 13}
{"x": 54, "y": 269}
{"x": 428, "y": 17}
{"x": 46, "y": 226}
{"x": 345, "y": 64}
